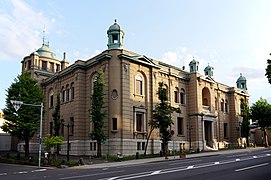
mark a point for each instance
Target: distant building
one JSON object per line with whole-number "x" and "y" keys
{"x": 210, "y": 111}
{"x": 5, "y": 138}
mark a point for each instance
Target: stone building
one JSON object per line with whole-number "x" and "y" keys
{"x": 210, "y": 111}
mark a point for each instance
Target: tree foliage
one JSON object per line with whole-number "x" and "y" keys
{"x": 162, "y": 116}
{"x": 97, "y": 112}
{"x": 57, "y": 121}
{"x": 261, "y": 111}
{"x": 52, "y": 141}
{"x": 268, "y": 70}
{"x": 56, "y": 117}
{"x": 25, "y": 122}
{"x": 245, "y": 113}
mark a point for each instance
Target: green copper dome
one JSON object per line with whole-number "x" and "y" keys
{"x": 114, "y": 27}
{"x": 45, "y": 51}
{"x": 241, "y": 78}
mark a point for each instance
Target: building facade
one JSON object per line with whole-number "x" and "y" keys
{"x": 210, "y": 111}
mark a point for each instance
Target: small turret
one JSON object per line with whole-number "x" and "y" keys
{"x": 115, "y": 36}
{"x": 194, "y": 65}
{"x": 209, "y": 71}
{"x": 64, "y": 62}
{"x": 241, "y": 82}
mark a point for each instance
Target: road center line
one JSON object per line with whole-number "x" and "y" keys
{"x": 89, "y": 175}
{"x": 246, "y": 168}
{"x": 156, "y": 172}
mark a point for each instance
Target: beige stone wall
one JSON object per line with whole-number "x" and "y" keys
{"x": 119, "y": 76}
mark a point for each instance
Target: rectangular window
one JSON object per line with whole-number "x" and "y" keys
{"x": 138, "y": 145}
{"x": 90, "y": 146}
{"x": 139, "y": 122}
{"x": 94, "y": 146}
{"x": 225, "y": 130}
{"x": 226, "y": 107}
{"x": 57, "y": 67}
{"x": 51, "y": 128}
{"x": 114, "y": 124}
{"x": 143, "y": 145}
{"x": 62, "y": 127}
{"x": 71, "y": 126}
{"x": 180, "y": 125}
{"x": 44, "y": 66}
{"x": 52, "y": 67}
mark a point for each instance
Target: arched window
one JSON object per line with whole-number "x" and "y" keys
{"x": 72, "y": 91}
{"x": 222, "y": 105}
{"x": 226, "y": 106}
{"x": 63, "y": 94}
{"x": 182, "y": 96}
{"x": 139, "y": 84}
{"x": 51, "y": 98}
{"x": 176, "y": 95}
{"x": 67, "y": 93}
{"x": 93, "y": 80}
{"x": 216, "y": 103}
{"x": 205, "y": 97}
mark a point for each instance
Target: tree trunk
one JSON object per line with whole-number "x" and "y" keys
{"x": 149, "y": 135}
{"x": 99, "y": 149}
{"x": 265, "y": 138}
{"x": 26, "y": 148}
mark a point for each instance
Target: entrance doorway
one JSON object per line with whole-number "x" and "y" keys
{"x": 208, "y": 133}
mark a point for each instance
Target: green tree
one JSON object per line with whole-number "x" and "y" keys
{"x": 261, "y": 111}
{"x": 245, "y": 123}
{"x": 97, "y": 112}
{"x": 57, "y": 121}
{"x": 162, "y": 116}
{"x": 25, "y": 122}
{"x": 268, "y": 70}
{"x": 52, "y": 142}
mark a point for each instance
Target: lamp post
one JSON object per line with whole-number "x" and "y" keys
{"x": 17, "y": 105}
{"x": 68, "y": 145}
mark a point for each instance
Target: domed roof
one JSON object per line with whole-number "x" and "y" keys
{"x": 45, "y": 51}
{"x": 193, "y": 61}
{"x": 35, "y": 53}
{"x": 241, "y": 78}
{"x": 114, "y": 27}
{"x": 208, "y": 68}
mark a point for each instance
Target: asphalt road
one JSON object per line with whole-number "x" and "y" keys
{"x": 242, "y": 165}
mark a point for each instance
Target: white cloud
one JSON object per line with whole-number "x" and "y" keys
{"x": 182, "y": 57}
{"x": 19, "y": 29}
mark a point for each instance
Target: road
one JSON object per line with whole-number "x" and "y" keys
{"x": 241, "y": 165}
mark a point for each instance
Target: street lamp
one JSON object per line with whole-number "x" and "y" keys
{"x": 17, "y": 105}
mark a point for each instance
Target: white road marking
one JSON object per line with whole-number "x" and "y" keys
{"x": 259, "y": 165}
{"x": 184, "y": 162}
{"x": 156, "y": 172}
{"x": 112, "y": 178}
{"x": 216, "y": 162}
{"x": 39, "y": 170}
{"x": 255, "y": 157}
{"x": 237, "y": 159}
{"x": 3, "y": 174}
{"x": 89, "y": 175}
{"x": 237, "y": 155}
{"x": 267, "y": 154}
{"x": 190, "y": 167}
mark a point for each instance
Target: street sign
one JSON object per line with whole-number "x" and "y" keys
{"x": 16, "y": 104}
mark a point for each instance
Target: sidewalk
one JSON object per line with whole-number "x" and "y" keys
{"x": 162, "y": 159}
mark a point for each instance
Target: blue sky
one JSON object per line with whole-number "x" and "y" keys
{"x": 233, "y": 36}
